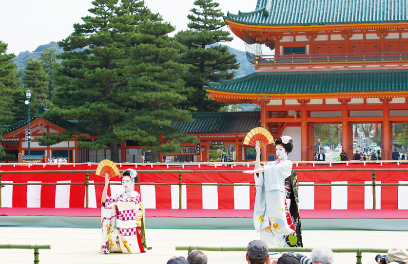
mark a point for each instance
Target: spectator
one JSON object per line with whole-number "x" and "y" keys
{"x": 321, "y": 156}
{"x": 286, "y": 258}
{"x": 357, "y": 155}
{"x": 373, "y": 156}
{"x": 177, "y": 260}
{"x": 197, "y": 257}
{"x": 394, "y": 255}
{"x": 403, "y": 156}
{"x": 343, "y": 156}
{"x": 322, "y": 255}
{"x": 257, "y": 252}
{"x": 395, "y": 155}
{"x": 399, "y": 255}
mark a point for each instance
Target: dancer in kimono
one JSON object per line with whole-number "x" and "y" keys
{"x": 276, "y": 213}
{"x": 126, "y": 210}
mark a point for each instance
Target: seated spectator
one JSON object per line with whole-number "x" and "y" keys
{"x": 399, "y": 255}
{"x": 286, "y": 259}
{"x": 257, "y": 252}
{"x": 177, "y": 260}
{"x": 322, "y": 255}
{"x": 197, "y": 257}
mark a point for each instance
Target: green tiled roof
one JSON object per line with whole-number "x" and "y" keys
{"x": 221, "y": 122}
{"x": 317, "y": 82}
{"x": 58, "y": 122}
{"x": 323, "y": 12}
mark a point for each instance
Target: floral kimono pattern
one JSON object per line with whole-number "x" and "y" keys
{"x": 271, "y": 212}
{"x": 128, "y": 214}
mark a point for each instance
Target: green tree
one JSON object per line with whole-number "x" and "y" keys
{"x": 101, "y": 84}
{"x": 208, "y": 61}
{"x": 402, "y": 138}
{"x": 155, "y": 79}
{"x": 10, "y": 91}
{"x": 35, "y": 79}
{"x": 50, "y": 65}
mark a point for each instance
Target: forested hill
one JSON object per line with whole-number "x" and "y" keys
{"x": 21, "y": 59}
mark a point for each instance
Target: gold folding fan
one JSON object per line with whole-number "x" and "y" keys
{"x": 107, "y": 166}
{"x": 258, "y": 134}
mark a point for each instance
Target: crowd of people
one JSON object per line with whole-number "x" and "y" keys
{"x": 195, "y": 257}
{"x": 257, "y": 253}
{"x": 364, "y": 155}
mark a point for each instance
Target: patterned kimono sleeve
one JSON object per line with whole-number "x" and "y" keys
{"x": 108, "y": 218}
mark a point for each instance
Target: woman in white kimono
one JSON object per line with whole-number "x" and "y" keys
{"x": 126, "y": 210}
{"x": 276, "y": 198}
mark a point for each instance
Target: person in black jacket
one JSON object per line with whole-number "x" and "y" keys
{"x": 321, "y": 156}
{"x": 343, "y": 156}
{"x": 395, "y": 155}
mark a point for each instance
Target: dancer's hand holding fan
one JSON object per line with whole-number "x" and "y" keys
{"x": 258, "y": 134}
{"x": 107, "y": 167}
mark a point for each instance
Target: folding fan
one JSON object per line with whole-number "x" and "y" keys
{"x": 258, "y": 134}
{"x": 107, "y": 166}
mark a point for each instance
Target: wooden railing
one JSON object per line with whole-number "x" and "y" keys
{"x": 320, "y": 58}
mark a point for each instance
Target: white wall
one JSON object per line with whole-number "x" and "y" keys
{"x": 294, "y": 133}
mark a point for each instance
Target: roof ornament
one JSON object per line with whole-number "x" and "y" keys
{"x": 265, "y": 13}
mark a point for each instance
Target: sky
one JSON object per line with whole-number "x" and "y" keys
{"x": 26, "y": 24}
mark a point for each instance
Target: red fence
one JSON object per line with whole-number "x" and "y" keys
{"x": 41, "y": 189}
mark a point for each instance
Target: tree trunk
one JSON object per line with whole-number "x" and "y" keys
{"x": 114, "y": 152}
{"x": 155, "y": 156}
{"x": 200, "y": 105}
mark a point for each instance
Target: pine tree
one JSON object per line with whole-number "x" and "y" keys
{"x": 50, "y": 65}
{"x": 102, "y": 77}
{"x": 10, "y": 91}
{"x": 156, "y": 85}
{"x": 209, "y": 61}
{"x": 35, "y": 79}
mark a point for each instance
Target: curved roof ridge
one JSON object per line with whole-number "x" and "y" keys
{"x": 244, "y": 14}
{"x": 249, "y": 76}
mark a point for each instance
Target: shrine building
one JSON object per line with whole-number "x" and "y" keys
{"x": 316, "y": 63}
{"x": 323, "y": 62}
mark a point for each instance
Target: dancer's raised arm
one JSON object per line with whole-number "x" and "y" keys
{"x": 105, "y": 189}
{"x": 258, "y": 168}
{"x": 258, "y": 155}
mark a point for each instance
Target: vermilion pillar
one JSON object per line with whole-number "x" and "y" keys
{"x": 386, "y": 131}
{"x": 345, "y": 131}
{"x": 238, "y": 151}
{"x": 304, "y": 131}
{"x": 311, "y": 148}
{"x": 263, "y": 124}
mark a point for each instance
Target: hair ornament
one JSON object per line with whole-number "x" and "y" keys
{"x": 286, "y": 139}
{"x": 130, "y": 172}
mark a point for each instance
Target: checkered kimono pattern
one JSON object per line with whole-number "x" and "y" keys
{"x": 128, "y": 215}
{"x": 271, "y": 214}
